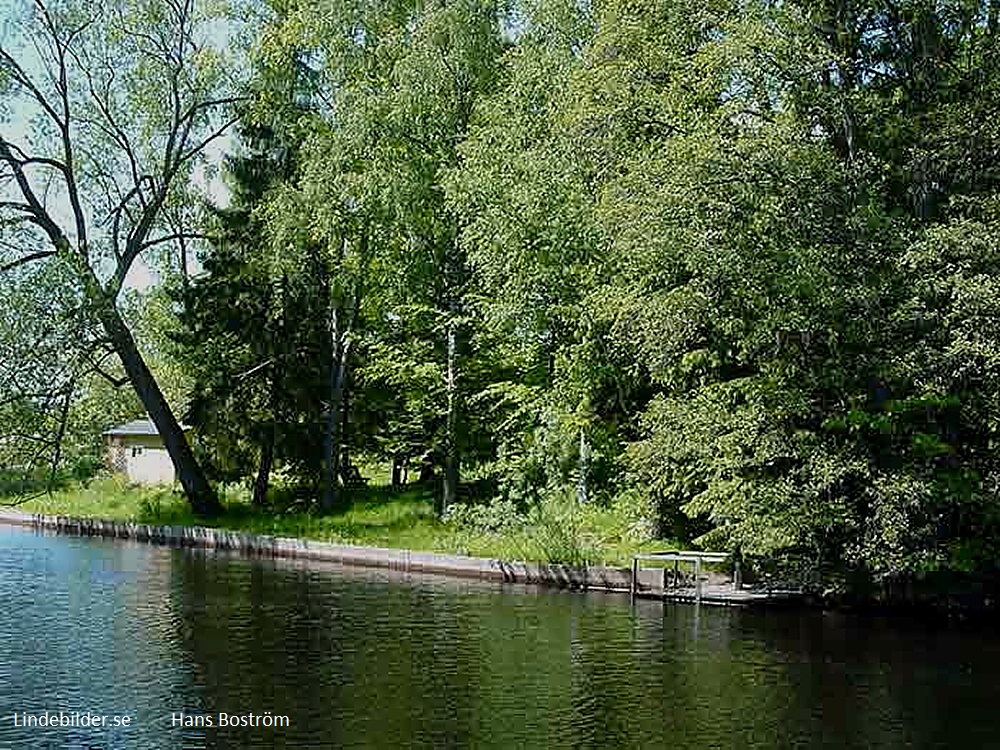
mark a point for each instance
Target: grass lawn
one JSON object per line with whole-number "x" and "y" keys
{"x": 377, "y": 516}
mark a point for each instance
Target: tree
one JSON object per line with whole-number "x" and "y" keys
{"x": 776, "y": 179}
{"x": 124, "y": 98}
{"x": 255, "y": 368}
{"x": 396, "y": 84}
{"x": 58, "y": 382}
{"x": 40, "y": 368}
{"x": 525, "y": 203}
{"x": 699, "y": 225}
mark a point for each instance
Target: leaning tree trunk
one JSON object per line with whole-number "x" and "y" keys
{"x": 200, "y": 494}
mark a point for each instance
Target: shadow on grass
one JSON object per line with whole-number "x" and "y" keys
{"x": 17, "y": 488}
{"x": 379, "y": 513}
{"x": 386, "y": 494}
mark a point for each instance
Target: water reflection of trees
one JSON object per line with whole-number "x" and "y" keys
{"x": 864, "y": 682}
{"x": 358, "y": 661}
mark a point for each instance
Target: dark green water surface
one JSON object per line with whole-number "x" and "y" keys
{"x": 361, "y": 659}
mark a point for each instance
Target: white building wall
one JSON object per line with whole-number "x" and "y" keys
{"x": 151, "y": 466}
{"x": 147, "y": 461}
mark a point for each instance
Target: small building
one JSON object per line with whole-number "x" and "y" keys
{"x": 136, "y": 450}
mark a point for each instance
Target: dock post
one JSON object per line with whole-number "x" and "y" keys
{"x": 697, "y": 580}
{"x": 635, "y": 579}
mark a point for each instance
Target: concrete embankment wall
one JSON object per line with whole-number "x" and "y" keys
{"x": 563, "y": 576}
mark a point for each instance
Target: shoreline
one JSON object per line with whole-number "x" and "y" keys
{"x": 401, "y": 560}
{"x": 649, "y": 582}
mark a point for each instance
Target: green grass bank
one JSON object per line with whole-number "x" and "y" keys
{"x": 557, "y": 531}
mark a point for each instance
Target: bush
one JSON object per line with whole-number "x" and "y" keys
{"x": 555, "y": 527}
{"x": 496, "y": 517}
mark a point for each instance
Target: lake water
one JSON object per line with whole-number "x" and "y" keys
{"x": 360, "y": 659}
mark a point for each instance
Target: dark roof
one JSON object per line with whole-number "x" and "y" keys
{"x": 137, "y": 427}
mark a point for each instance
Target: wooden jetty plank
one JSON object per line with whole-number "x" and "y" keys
{"x": 645, "y": 583}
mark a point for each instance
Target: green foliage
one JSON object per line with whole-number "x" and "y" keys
{"x": 557, "y": 529}
{"x": 497, "y": 517}
{"x": 721, "y": 272}
{"x": 251, "y": 385}
{"x": 687, "y": 227}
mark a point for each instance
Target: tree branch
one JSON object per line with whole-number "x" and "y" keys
{"x": 41, "y": 216}
{"x": 116, "y": 382}
{"x": 26, "y": 259}
{"x": 24, "y": 160}
{"x": 216, "y": 134}
{"x": 177, "y": 236}
{"x": 21, "y": 78}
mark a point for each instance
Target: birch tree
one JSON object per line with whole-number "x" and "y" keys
{"x": 395, "y": 87}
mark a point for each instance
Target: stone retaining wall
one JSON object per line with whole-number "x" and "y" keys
{"x": 563, "y": 576}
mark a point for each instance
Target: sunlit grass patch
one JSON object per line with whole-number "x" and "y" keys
{"x": 557, "y": 531}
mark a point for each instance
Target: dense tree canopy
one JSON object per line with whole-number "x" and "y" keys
{"x": 732, "y": 264}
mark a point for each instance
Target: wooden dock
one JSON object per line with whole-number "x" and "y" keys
{"x": 725, "y": 595}
{"x": 669, "y": 582}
